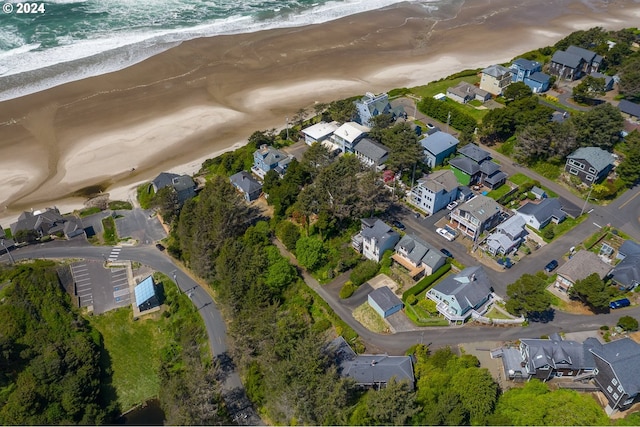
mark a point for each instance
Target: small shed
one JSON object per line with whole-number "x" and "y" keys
{"x": 539, "y": 193}
{"x": 385, "y": 302}
{"x": 146, "y": 296}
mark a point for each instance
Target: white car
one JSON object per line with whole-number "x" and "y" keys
{"x": 444, "y": 233}
{"x": 452, "y": 205}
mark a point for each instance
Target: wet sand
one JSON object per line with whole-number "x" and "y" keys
{"x": 207, "y": 96}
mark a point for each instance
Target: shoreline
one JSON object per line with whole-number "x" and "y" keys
{"x": 206, "y": 96}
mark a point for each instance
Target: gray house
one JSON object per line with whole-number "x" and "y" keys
{"x": 418, "y": 256}
{"x": 371, "y": 153}
{"x": 574, "y": 63}
{"x": 437, "y": 147}
{"x": 464, "y": 92}
{"x": 578, "y": 267}
{"x": 459, "y": 295}
{"x": 374, "y": 239}
{"x": 435, "y": 191}
{"x": 247, "y": 185}
{"x": 629, "y": 108}
{"x": 590, "y": 164}
{"x": 507, "y": 236}
{"x": 47, "y": 222}
{"x": 474, "y": 166}
{"x": 617, "y": 372}
{"x": 184, "y": 185}
{"x": 626, "y": 274}
{"x": 538, "y": 215}
{"x": 384, "y": 301}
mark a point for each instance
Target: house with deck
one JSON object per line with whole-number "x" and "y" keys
{"x": 574, "y": 63}
{"x": 459, "y": 296}
{"x": 538, "y": 215}
{"x": 437, "y": 147}
{"x": 464, "y": 92}
{"x": 475, "y": 216}
{"x": 507, "y": 236}
{"x": 319, "y": 132}
{"x": 578, "y": 267}
{"x": 474, "y": 166}
{"x": 375, "y": 237}
{"x": 530, "y": 73}
{"x": 495, "y": 79}
{"x": 626, "y": 274}
{"x": 184, "y": 185}
{"x": 347, "y": 136}
{"x": 371, "y": 153}
{"x": 246, "y": 184}
{"x": 267, "y": 158}
{"x": 371, "y": 105}
{"x": 590, "y": 164}
{"x": 435, "y": 191}
{"x": 418, "y": 256}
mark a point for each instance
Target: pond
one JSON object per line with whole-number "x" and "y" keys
{"x": 148, "y": 414}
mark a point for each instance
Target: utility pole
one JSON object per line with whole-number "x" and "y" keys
{"x": 586, "y": 200}
{"x": 7, "y": 251}
{"x": 287, "y": 119}
{"x": 448, "y": 120}
{"x": 175, "y": 279}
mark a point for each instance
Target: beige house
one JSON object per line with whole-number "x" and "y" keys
{"x": 495, "y": 79}
{"x": 579, "y": 266}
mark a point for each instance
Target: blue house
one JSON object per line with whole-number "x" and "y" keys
{"x": 437, "y": 147}
{"x": 384, "y": 302}
{"x": 145, "y": 293}
{"x": 530, "y": 73}
{"x": 372, "y": 105}
{"x": 267, "y": 158}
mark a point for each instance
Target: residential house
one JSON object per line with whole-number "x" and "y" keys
{"x": 574, "y": 63}
{"x": 464, "y": 92}
{"x": 184, "y": 185}
{"x": 630, "y": 109}
{"x": 578, "y": 267}
{"x": 384, "y": 301}
{"x": 626, "y": 274}
{"x": 374, "y": 238}
{"x": 522, "y": 68}
{"x": 47, "y": 222}
{"x": 608, "y": 80}
{"x": 372, "y": 105}
{"x": 437, "y": 147}
{"x": 590, "y": 164}
{"x": 435, "y": 191}
{"x": 418, "y": 256}
{"x": 617, "y": 372}
{"x": 348, "y": 135}
{"x": 145, "y": 294}
{"x": 6, "y": 244}
{"x": 247, "y": 185}
{"x": 370, "y": 370}
{"x": 371, "y": 153}
{"x": 319, "y": 132}
{"x": 474, "y": 166}
{"x": 507, "y": 236}
{"x": 459, "y": 296}
{"x": 538, "y": 215}
{"x": 538, "y": 82}
{"x": 495, "y": 79}
{"x": 547, "y": 358}
{"x": 477, "y": 215}
{"x": 267, "y": 158}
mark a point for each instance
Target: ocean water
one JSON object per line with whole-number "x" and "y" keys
{"x": 67, "y": 40}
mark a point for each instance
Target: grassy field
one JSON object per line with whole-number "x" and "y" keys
{"x": 110, "y": 235}
{"x": 519, "y": 179}
{"x": 145, "y": 195}
{"x": 134, "y": 349}
{"x": 120, "y": 205}
{"x": 495, "y": 314}
{"x": 499, "y": 192}
{"x": 370, "y": 319}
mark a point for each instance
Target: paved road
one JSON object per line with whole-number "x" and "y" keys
{"x": 232, "y": 388}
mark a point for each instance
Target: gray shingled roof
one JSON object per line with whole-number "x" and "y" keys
{"x": 629, "y": 108}
{"x": 465, "y": 164}
{"x": 440, "y": 180}
{"x": 513, "y": 226}
{"x": 583, "y": 264}
{"x": 539, "y": 77}
{"x": 163, "y": 179}
{"x": 372, "y": 369}
{"x": 419, "y": 251}
{"x": 627, "y": 272}
{"x": 544, "y": 210}
{"x": 183, "y": 182}
{"x": 371, "y": 149}
{"x": 438, "y": 142}
{"x": 384, "y": 298}
{"x": 558, "y": 354}
{"x": 380, "y": 231}
{"x": 624, "y": 358}
{"x": 469, "y": 287}
{"x": 488, "y": 167}
{"x": 463, "y": 89}
{"x": 629, "y": 247}
{"x": 567, "y": 59}
{"x": 525, "y": 64}
{"x": 496, "y": 71}
{"x": 245, "y": 182}
{"x": 585, "y": 54}
{"x": 597, "y": 157}
{"x": 481, "y": 207}
{"x": 474, "y": 152}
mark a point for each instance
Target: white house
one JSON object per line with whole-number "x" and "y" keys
{"x": 435, "y": 191}
{"x": 348, "y": 135}
{"x": 319, "y": 132}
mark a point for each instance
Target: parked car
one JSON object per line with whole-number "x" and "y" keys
{"x": 446, "y": 252}
{"x": 159, "y": 247}
{"x": 398, "y": 225}
{"x": 430, "y": 126}
{"x": 624, "y": 302}
{"x": 452, "y": 205}
{"x": 551, "y": 266}
{"x": 444, "y": 233}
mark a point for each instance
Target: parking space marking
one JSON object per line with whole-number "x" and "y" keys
{"x": 121, "y": 293}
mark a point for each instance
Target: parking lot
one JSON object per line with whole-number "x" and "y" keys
{"x": 140, "y": 225}
{"x": 102, "y": 288}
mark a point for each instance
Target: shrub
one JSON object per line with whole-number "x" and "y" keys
{"x": 628, "y": 323}
{"x": 347, "y": 290}
{"x": 604, "y": 328}
{"x": 411, "y": 300}
{"x": 548, "y": 232}
{"x": 310, "y": 252}
{"x": 424, "y": 283}
{"x": 288, "y": 233}
{"x": 363, "y": 272}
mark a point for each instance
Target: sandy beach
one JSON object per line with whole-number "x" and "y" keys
{"x": 207, "y": 96}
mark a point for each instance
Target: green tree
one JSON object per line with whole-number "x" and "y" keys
{"x": 629, "y": 168}
{"x": 589, "y": 88}
{"x": 310, "y": 252}
{"x": 527, "y": 296}
{"x": 628, "y": 323}
{"x": 393, "y": 405}
{"x": 343, "y": 110}
{"x": 363, "y": 272}
{"x": 166, "y": 201}
{"x": 592, "y": 291}
{"x": 516, "y": 91}
{"x": 598, "y": 127}
{"x": 288, "y": 233}
{"x": 630, "y": 79}
{"x": 478, "y": 392}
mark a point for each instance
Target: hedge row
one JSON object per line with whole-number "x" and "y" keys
{"x": 440, "y": 111}
{"x": 427, "y": 281}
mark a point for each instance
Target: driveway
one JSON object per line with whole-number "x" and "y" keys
{"x": 93, "y": 223}
{"x": 139, "y": 224}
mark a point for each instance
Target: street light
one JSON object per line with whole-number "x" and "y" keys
{"x": 586, "y": 200}
{"x": 7, "y": 251}
{"x": 287, "y": 119}
{"x": 175, "y": 279}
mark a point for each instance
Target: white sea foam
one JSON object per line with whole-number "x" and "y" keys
{"x": 32, "y": 70}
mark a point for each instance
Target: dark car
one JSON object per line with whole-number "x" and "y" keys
{"x": 624, "y": 302}
{"x": 446, "y": 252}
{"x": 160, "y": 247}
{"x": 551, "y": 266}
{"x": 398, "y": 225}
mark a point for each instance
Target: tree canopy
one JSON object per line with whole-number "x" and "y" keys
{"x": 592, "y": 291}
{"x": 527, "y": 295}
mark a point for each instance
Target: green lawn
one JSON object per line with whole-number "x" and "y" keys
{"x": 145, "y": 195}
{"x": 422, "y": 318}
{"x": 495, "y": 314}
{"x": 89, "y": 211}
{"x": 507, "y": 147}
{"x": 134, "y": 349}
{"x": 547, "y": 170}
{"x": 120, "y": 205}
{"x": 499, "y": 192}
{"x": 110, "y": 236}
{"x": 441, "y": 86}
{"x": 519, "y": 179}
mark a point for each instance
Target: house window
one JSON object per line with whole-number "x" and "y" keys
{"x": 614, "y": 381}
{"x": 573, "y": 171}
{"x": 615, "y": 395}
{"x": 595, "y": 371}
{"x": 620, "y": 389}
{"x": 610, "y": 389}
{"x": 592, "y": 170}
{"x": 589, "y": 177}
